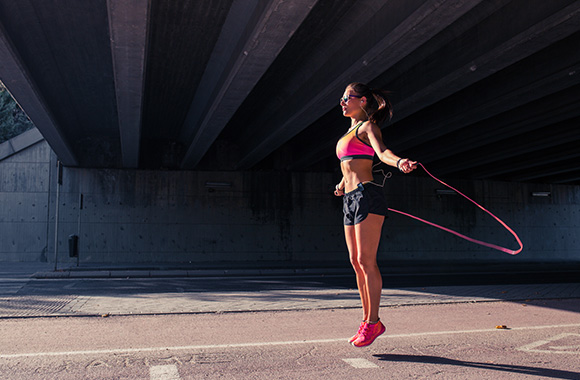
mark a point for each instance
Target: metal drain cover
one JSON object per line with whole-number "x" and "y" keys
{"x": 31, "y": 306}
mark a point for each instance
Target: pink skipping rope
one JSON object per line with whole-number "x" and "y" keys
{"x": 506, "y": 250}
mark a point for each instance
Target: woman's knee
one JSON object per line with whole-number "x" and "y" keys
{"x": 355, "y": 265}
{"x": 367, "y": 263}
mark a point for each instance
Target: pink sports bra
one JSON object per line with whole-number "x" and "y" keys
{"x": 351, "y": 146}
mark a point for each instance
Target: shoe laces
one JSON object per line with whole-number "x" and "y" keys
{"x": 369, "y": 328}
{"x": 366, "y": 329}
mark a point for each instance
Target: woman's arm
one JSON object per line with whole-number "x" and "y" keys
{"x": 339, "y": 189}
{"x": 375, "y": 137}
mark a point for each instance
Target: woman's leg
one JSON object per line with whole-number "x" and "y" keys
{"x": 367, "y": 237}
{"x": 351, "y": 243}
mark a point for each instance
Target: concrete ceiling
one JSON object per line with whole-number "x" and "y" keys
{"x": 483, "y": 89}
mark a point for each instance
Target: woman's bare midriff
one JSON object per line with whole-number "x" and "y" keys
{"x": 356, "y": 171}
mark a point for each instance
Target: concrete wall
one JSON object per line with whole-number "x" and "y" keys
{"x": 24, "y": 199}
{"x": 262, "y": 218}
{"x": 547, "y": 226}
{"x": 147, "y": 217}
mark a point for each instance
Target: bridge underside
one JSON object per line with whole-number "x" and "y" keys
{"x": 481, "y": 89}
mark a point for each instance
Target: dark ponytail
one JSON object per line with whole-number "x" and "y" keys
{"x": 378, "y": 106}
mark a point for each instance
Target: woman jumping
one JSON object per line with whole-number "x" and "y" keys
{"x": 364, "y": 204}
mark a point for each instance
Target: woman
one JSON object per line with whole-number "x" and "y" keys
{"x": 364, "y": 204}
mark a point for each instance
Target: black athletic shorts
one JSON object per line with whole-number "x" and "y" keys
{"x": 365, "y": 199}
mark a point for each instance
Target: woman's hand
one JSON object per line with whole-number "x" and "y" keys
{"x": 406, "y": 166}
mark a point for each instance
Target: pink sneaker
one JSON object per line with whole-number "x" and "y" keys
{"x": 360, "y": 329}
{"x": 369, "y": 333}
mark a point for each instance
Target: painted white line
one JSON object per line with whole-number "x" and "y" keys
{"x": 360, "y": 363}
{"x": 535, "y": 347}
{"x": 268, "y": 344}
{"x": 164, "y": 372}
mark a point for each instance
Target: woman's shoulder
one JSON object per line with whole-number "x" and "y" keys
{"x": 369, "y": 126}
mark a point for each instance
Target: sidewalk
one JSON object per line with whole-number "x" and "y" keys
{"x": 31, "y": 291}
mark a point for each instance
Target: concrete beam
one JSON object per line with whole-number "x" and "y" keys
{"x": 418, "y": 27}
{"x": 548, "y": 85}
{"x": 535, "y": 141}
{"x": 540, "y": 163}
{"x": 572, "y": 179}
{"x": 553, "y": 171}
{"x": 521, "y": 120}
{"x": 538, "y": 36}
{"x": 14, "y": 75}
{"x": 239, "y": 60}
{"x": 128, "y": 23}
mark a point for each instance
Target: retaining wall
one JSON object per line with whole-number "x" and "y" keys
{"x": 262, "y": 218}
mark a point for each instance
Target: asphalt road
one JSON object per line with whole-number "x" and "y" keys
{"x": 448, "y": 341}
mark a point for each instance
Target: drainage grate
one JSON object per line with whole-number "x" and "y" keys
{"x": 32, "y": 306}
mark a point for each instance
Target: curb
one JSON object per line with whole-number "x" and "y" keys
{"x": 196, "y": 273}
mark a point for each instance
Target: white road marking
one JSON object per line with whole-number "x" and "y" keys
{"x": 572, "y": 347}
{"x": 164, "y": 372}
{"x": 268, "y": 344}
{"x": 535, "y": 347}
{"x": 360, "y": 363}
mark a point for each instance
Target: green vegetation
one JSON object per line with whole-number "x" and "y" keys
{"x": 13, "y": 121}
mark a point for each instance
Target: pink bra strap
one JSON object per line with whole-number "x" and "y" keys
{"x": 506, "y": 250}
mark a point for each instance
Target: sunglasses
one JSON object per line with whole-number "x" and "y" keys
{"x": 346, "y": 98}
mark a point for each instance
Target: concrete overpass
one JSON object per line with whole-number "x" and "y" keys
{"x": 482, "y": 89}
